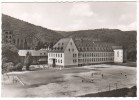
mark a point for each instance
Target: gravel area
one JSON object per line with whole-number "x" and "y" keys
{"x": 71, "y": 85}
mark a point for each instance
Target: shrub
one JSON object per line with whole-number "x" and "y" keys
{"x": 18, "y": 67}
{"x": 8, "y": 67}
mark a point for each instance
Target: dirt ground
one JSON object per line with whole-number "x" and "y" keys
{"x": 70, "y": 82}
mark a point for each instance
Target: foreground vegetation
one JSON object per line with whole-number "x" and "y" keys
{"x": 11, "y": 60}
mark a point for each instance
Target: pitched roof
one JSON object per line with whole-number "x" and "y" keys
{"x": 117, "y": 47}
{"x": 84, "y": 45}
{"x": 61, "y": 45}
{"x": 91, "y": 45}
{"x": 33, "y": 52}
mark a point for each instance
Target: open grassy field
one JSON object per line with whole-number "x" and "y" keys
{"x": 71, "y": 82}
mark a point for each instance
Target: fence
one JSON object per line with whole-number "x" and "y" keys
{"x": 13, "y": 78}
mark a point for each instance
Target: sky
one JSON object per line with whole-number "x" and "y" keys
{"x": 76, "y": 15}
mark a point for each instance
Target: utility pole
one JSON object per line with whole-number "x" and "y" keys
{"x": 116, "y": 84}
{"x": 109, "y": 87}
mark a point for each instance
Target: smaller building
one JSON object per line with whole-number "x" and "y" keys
{"x": 118, "y": 54}
{"x": 38, "y": 56}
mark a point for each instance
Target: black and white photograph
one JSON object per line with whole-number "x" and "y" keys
{"x": 69, "y": 49}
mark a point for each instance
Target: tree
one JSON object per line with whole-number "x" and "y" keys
{"x": 39, "y": 45}
{"x": 28, "y": 60}
{"x": 25, "y": 44}
{"x": 9, "y": 53}
{"x": 8, "y": 67}
{"x": 51, "y": 45}
{"x": 19, "y": 67}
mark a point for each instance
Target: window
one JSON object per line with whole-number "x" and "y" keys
{"x": 74, "y": 61}
{"x": 71, "y": 43}
{"x": 6, "y": 36}
{"x": 62, "y": 43}
{"x": 61, "y": 55}
{"x": 6, "y": 32}
{"x": 74, "y": 55}
{"x": 72, "y": 49}
{"x": 69, "y": 50}
{"x": 56, "y": 54}
{"x": 61, "y": 61}
{"x": 10, "y": 37}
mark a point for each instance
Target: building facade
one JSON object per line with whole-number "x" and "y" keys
{"x": 16, "y": 39}
{"x": 69, "y": 52}
{"x": 118, "y": 54}
{"x": 38, "y": 56}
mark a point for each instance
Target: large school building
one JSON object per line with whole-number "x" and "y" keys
{"x": 76, "y": 52}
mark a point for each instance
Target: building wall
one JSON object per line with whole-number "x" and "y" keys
{"x": 7, "y": 37}
{"x": 95, "y": 57}
{"x": 35, "y": 59}
{"x": 71, "y": 54}
{"x": 118, "y": 55}
{"x": 59, "y": 58}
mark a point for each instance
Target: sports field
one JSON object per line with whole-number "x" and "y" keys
{"x": 69, "y": 82}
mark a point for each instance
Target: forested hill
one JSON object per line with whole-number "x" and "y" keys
{"x": 34, "y": 33}
{"x": 28, "y": 30}
{"x": 125, "y": 38}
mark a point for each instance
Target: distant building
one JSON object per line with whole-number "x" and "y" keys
{"x": 16, "y": 39}
{"x": 38, "y": 56}
{"x": 69, "y": 52}
{"x": 7, "y": 37}
{"x": 118, "y": 54}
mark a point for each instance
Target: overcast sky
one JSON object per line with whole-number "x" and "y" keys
{"x": 76, "y": 16}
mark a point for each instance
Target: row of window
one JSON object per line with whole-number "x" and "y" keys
{"x": 59, "y": 43}
{"x": 94, "y": 48}
{"x": 84, "y": 54}
{"x": 71, "y": 50}
{"x": 74, "y": 55}
{"x": 8, "y": 36}
{"x": 58, "y": 61}
{"x": 42, "y": 54}
{"x": 95, "y": 60}
{"x": 55, "y": 54}
{"x": 8, "y": 32}
{"x": 74, "y": 60}
{"x": 63, "y": 43}
{"x": 96, "y": 54}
